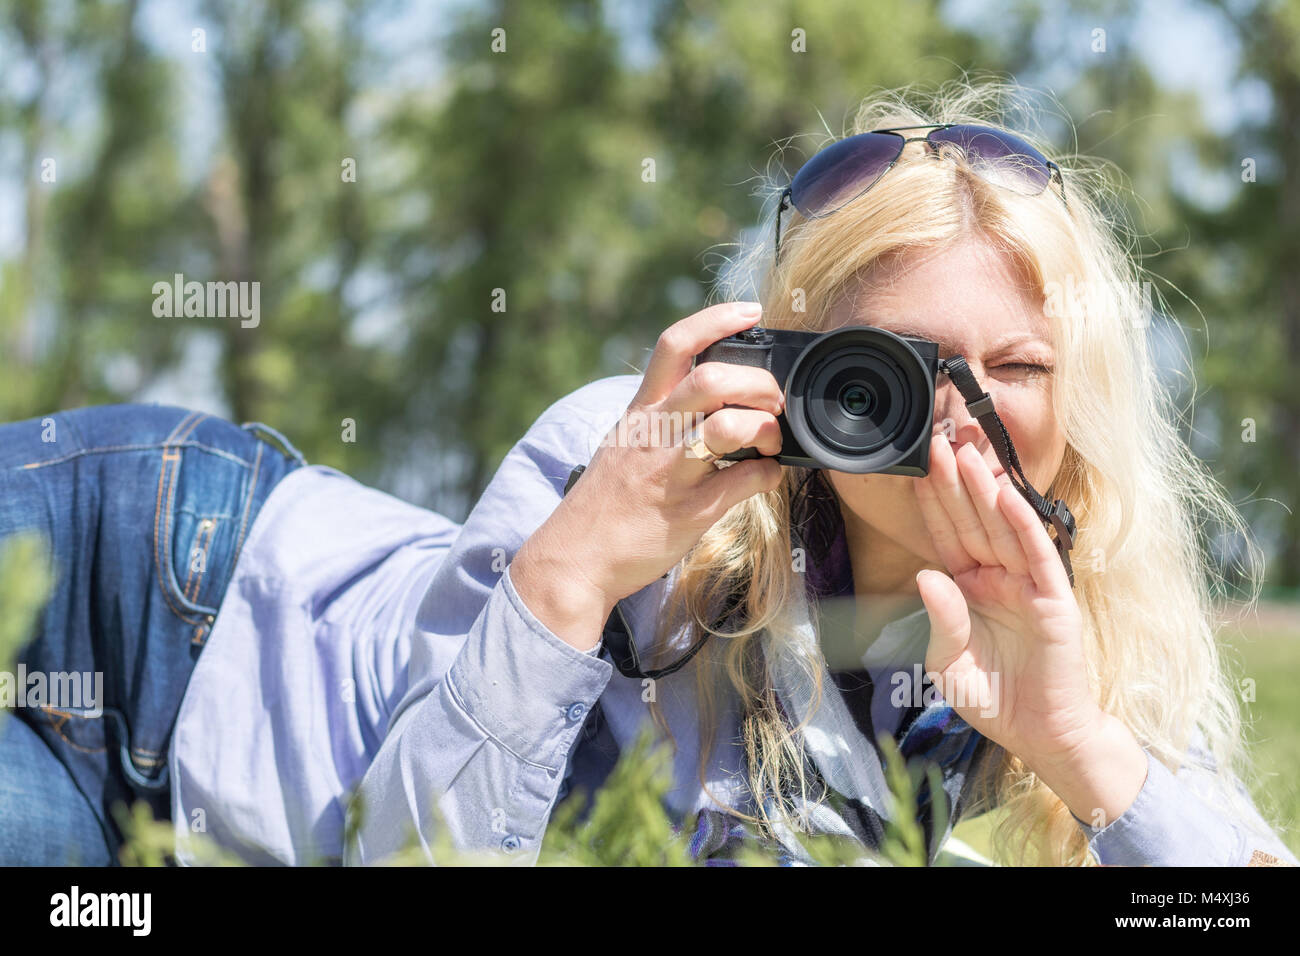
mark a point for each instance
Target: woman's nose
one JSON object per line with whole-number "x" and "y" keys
{"x": 951, "y": 417}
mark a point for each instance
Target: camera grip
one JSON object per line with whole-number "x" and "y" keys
{"x": 736, "y": 353}
{"x": 750, "y": 349}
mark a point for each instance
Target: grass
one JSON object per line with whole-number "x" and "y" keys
{"x": 627, "y": 826}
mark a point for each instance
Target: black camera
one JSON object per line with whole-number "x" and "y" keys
{"x": 857, "y": 399}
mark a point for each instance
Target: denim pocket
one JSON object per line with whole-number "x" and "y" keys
{"x": 202, "y": 504}
{"x": 194, "y": 537}
{"x": 82, "y": 732}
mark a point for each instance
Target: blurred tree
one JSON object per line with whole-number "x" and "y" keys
{"x": 1252, "y": 247}
{"x": 101, "y": 203}
{"x": 439, "y": 263}
{"x": 574, "y": 185}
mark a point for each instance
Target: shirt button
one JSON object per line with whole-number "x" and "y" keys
{"x": 510, "y": 843}
{"x": 576, "y": 710}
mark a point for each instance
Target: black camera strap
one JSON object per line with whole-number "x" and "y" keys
{"x": 980, "y": 405}
{"x": 617, "y": 637}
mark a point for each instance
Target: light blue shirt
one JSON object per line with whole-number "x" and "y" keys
{"x": 364, "y": 641}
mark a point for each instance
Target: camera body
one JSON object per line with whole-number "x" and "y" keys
{"x": 857, "y": 399}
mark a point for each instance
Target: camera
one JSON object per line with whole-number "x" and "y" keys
{"x": 857, "y": 399}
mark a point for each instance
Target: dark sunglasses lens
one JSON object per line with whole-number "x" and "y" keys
{"x": 999, "y": 157}
{"x": 843, "y": 171}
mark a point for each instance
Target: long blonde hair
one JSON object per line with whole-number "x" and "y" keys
{"x": 1144, "y": 580}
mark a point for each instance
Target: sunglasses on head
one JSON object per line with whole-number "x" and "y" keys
{"x": 845, "y": 170}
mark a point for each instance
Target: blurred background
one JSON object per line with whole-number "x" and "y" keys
{"x": 381, "y": 171}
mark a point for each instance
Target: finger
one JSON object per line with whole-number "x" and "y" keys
{"x": 949, "y": 618}
{"x": 711, "y": 385}
{"x": 683, "y": 340}
{"x": 730, "y": 486}
{"x": 942, "y": 533}
{"x": 729, "y": 429}
{"x": 1044, "y": 563}
{"x": 983, "y": 489}
{"x": 951, "y": 492}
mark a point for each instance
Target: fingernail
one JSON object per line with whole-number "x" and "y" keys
{"x": 750, "y": 310}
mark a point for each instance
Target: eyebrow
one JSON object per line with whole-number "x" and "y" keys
{"x": 948, "y": 345}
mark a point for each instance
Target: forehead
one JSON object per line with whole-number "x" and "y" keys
{"x": 967, "y": 298}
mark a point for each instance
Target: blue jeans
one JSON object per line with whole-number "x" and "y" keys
{"x": 144, "y": 509}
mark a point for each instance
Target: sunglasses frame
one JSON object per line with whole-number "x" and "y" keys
{"x": 1053, "y": 170}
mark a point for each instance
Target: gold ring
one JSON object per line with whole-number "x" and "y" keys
{"x": 696, "y": 447}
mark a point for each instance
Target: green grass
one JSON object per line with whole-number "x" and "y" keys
{"x": 1272, "y": 659}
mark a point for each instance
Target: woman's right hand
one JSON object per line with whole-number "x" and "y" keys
{"x": 641, "y": 505}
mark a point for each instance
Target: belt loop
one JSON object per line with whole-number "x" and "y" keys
{"x": 293, "y": 453}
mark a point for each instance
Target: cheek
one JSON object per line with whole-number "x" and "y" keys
{"x": 884, "y": 502}
{"x": 1032, "y": 425}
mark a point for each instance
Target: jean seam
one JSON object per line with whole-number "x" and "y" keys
{"x": 203, "y": 543}
{"x": 248, "y": 503}
{"x": 152, "y": 446}
{"x": 167, "y": 475}
{"x": 286, "y": 448}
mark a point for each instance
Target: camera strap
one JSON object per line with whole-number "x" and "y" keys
{"x": 980, "y": 405}
{"x": 617, "y": 636}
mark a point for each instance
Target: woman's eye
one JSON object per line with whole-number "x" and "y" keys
{"x": 1027, "y": 367}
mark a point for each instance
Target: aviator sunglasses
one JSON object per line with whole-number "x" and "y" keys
{"x": 845, "y": 170}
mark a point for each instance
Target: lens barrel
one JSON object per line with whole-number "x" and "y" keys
{"x": 858, "y": 399}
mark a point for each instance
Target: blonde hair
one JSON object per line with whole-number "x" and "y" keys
{"x": 1142, "y": 500}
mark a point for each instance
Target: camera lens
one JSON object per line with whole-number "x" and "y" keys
{"x": 859, "y": 399}
{"x": 856, "y": 399}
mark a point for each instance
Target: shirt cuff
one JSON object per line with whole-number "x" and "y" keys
{"x": 1165, "y": 826}
{"x": 528, "y": 689}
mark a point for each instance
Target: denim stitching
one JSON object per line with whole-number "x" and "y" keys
{"x": 57, "y": 727}
{"x": 157, "y": 518}
{"x": 162, "y": 563}
{"x": 150, "y": 447}
{"x": 248, "y": 502}
{"x": 204, "y": 544}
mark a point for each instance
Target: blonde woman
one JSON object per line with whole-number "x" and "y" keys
{"x": 1101, "y": 718}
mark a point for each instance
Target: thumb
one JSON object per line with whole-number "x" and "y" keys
{"x": 949, "y": 618}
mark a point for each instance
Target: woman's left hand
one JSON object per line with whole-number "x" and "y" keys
{"x": 1006, "y": 638}
{"x": 1006, "y": 633}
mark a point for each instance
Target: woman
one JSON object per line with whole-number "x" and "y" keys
{"x": 455, "y": 676}
{"x": 1113, "y": 733}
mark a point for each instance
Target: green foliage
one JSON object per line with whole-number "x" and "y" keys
{"x": 150, "y": 842}
{"x": 502, "y": 243}
{"x": 904, "y": 843}
{"x": 627, "y": 825}
{"x": 25, "y": 583}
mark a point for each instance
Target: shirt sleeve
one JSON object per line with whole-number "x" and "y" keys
{"x": 476, "y": 750}
{"x": 1172, "y": 822}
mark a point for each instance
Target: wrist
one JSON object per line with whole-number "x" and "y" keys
{"x": 1101, "y": 777}
{"x": 559, "y": 594}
